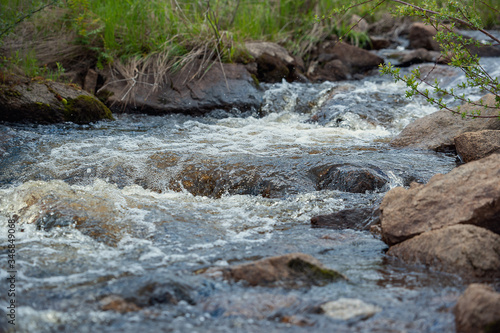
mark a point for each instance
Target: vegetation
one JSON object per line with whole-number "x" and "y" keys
{"x": 167, "y": 34}
{"x": 454, "y": 48}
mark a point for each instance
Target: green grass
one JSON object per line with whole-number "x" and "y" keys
{"x": 121, "y": 30}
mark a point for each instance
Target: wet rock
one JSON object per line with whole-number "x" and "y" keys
{"x": 196, "y": 89}
{"x": 289, "y": 271}
{"x": 118, "y": 304}
{"x": 356, "y": 218}
{"x": 421, "y": 36}
{"x": 478, "y": 310}
{"x": 55, "y": 204}
{"x": 473, "y": 146}
{"x": 348, "y": 178}
{"x": 334, "y": 61}
{"x": 208, "y": 177}
{"x": 418, "y": 56}
{"x": 464, "y": 249}
{"x": 274, "y": 63}
{"x": 349, "y": 308}
{"x": 469, "y": 194}
{"x": 249, "y": 305}
{"x": 438, "y": 130}
{"x": 44, "y": 101}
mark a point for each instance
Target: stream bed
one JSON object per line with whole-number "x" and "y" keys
{"x": 139, "y": 206}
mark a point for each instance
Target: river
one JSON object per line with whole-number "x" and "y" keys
{"x": 137, "y": 207}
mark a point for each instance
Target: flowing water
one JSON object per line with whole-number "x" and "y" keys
{"x": 139, "y": 206}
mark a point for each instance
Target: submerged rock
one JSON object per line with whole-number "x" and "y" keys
{"x": 209, "y": 177}
{"x": 56, "y": 204}
{"x": 356, "y": 218}
{"x": 249, "y": 305}
{"x": 349, "y": 308}
{"x": 118, "y": 304}
{"x": 290, "y": 271}
{"x": 478, "y": 310}
{"x": 469, "y": 194}
{"x": 196, "y": 89}
{"x": 438, "y": 130}
{"x": 349, "y": 178}
{"x": 473, "y": 146}
{"x": 464, "y": 249}
{"x": 44, "y": 101}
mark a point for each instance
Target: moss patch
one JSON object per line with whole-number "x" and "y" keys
{"x": 85, "y": 109}
{"x": 318, "y": 275}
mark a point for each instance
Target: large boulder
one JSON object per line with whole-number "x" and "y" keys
{"x": 335, "y": 61}
{"x": 468, "y": 250}
{"x": 43, "y": 101}
{"x": 196, "y": 89}
{"x": 438, "y": 130}
{"x": 469, "y": 194}
{"x": 289, "y": 270}
{"x": 478, "y": 310}
{"x": 473, "y": 146}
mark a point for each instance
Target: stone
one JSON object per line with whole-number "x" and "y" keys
{"x": 358, "y": 23}
{"x": 356, "y": 218}
{"x": 43, "y": 101}
{"x": 289, "y": 271}
{"x": 473, "y": 146}
{"x": 196, "y": 89}
{"x": 469, "y": 194}
{"x": 118, "y": 304}
{"x": 249, "y": 305}
{"x": 438, "y": 130}
{"x": 334, "y": 61}
{"x": 478, "y": 310}
{"x": 349, "y": 178}
{"x": 418, "y": 56}
{"x": 209, "y": 177}
{"x": 349, "y": 308}
{"x": 379, "y": 43}
{"x": 275, "y": 63}
{"x": 56, "y": 204}
{"x": 421, "y": 36}
{"x": 467, "y": 250}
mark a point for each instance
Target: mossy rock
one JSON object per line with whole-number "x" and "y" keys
{"x": 43, "y": 101}
{"x": 85, "y": 109}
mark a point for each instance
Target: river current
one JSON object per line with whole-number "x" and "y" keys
{"x": 139, "y": 206}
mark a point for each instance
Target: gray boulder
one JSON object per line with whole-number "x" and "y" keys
{"x": 196, "y": 89}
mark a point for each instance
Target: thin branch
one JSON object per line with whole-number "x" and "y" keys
{"x": 27, "y": 16}
{"x": 470, "y": 25}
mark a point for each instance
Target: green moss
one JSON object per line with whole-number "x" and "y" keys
{"x": 317, "y": 274}
{"x": 85, "y": 109}
{"x": 255, "y": 80}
